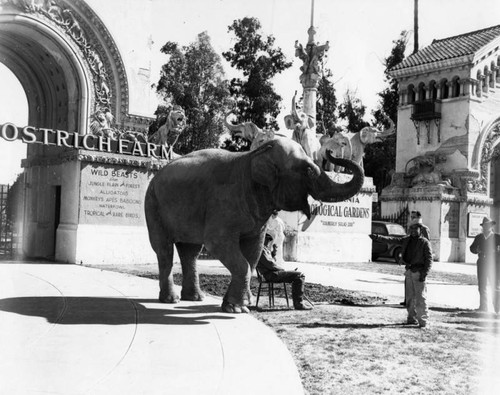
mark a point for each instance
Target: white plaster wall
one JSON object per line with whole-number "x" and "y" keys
{"x": 454, "y": 113}
{"x": 333, "y": 247}
{"x": 100, "y": 244}
{"x": 129, "y": 23}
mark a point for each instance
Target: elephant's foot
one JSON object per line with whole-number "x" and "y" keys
{"x": 166, "y": 297}
{"x": 192, "y": 295}
{"x": 234, "y": 308}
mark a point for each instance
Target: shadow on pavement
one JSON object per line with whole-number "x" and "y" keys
{"x": 110, "y": 311}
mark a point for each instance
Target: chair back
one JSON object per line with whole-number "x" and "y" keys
{"x": 260, "y": 277}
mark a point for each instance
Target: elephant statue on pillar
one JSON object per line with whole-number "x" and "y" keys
{"x": 223, "y": 200}
{"x": 250, "y": 132}
{"x": 303, "y": 126}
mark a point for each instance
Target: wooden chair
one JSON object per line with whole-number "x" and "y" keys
{"x": 270, "y": 289}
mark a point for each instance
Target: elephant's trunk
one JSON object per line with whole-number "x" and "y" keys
{"x": 295, "y": 115}
{"x": 390, "y": 130}
{"x": 329, "y": 191}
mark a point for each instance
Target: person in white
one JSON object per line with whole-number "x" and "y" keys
{"x": 276, "y": 228}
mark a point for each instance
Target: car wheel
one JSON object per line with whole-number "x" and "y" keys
{"x": 398, "y": 254}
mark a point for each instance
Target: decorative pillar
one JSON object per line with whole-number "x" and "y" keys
{"x": 311, "y": 56}
{"x": 440, "y": 90}
{"x": 479, "y": 86}
{"x": 449, "y": 86}
{"x": 468, "y": 84}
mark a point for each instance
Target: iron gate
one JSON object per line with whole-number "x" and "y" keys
{"x": 8, "y": 238}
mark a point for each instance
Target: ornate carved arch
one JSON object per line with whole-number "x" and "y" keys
{"x": 104, "y": 65}
{"x": 486, "y": 149}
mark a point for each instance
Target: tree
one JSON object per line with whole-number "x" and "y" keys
{"x": 352, "y": 110}
{"x": 380, "y": 158}
{"x": 193, "y": 78}
{"x": 326, "y": 105}
{"x": 258, "y": 59}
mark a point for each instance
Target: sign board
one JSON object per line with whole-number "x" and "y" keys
{"x": 474, "y": 224}
{"x": 350, "y": 216}
{"x": 90, "y": 142}
{"x": 111, "y": 195}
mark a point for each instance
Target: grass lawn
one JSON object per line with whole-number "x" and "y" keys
{"x": 355, "y": 343}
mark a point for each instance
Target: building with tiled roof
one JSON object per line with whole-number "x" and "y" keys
{"x": 448, "y": 131}
{"x": 457, "y": 49}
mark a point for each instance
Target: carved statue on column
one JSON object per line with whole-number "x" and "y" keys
{"x": 311, "y": 56}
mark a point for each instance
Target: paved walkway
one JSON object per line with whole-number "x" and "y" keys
{"x": 67, "y": 329}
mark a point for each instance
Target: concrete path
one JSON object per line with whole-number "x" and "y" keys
{"x": 438, "y": 293}
{"x": 67, "y": 329}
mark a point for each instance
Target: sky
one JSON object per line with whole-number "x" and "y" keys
{"x": 360, "y": 34}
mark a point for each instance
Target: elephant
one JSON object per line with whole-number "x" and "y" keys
{"x": 250, "y": 132}
{"x": 338, "y": 145}
{"x": 223, "y": 200}
{"x": 303, "y": 125}
{"x": 367, "y": 135}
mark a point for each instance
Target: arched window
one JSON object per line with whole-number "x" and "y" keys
{"x": 411, "y": 94}
{"x": 455, "y": 87}
{"x": 492, "y": 79}
{"x": 484, "y": 82}
{"x": 421, "y": 92}
{"x": 433, "y": 90}
{"x": 444, "y": 88}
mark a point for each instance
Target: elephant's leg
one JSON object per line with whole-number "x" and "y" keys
{"x": 164, "y": 250}
{"x": 227, "y": 250}
{"x": 165, "y": 256}
{"x": 188, "y": 254}
{"x": 251, "y": 248}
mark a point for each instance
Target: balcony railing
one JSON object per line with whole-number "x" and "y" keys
{"x": 426, "y": 110}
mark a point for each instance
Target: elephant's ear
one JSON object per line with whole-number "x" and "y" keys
{"x": 289, "y": 122}
{"x": 310, "y": 122}
{"x": 263, "y": 169}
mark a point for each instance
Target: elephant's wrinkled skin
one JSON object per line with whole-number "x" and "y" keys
{"x": 223, "y": 200}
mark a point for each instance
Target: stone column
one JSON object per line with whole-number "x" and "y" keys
{"x": 311, "y": 69}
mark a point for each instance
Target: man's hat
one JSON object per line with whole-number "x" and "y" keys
{"x": 487, "y": 221}
{"x": 417, "y": 213}
{"x": 416, "y": 222}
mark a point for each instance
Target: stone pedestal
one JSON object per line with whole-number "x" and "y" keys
{"x": 336, "y": 232}
{"x": 90, "y": 206}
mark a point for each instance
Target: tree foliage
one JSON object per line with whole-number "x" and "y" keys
{"x": 352, "y": 110}
{"x": 193, "y": 78}
{"x": 256, "y": 56}
{"x": 326, "y": 105}
{"x": 380, "y": 158}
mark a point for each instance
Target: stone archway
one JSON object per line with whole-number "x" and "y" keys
{"x": 69, "y": 68}
{"x": 485, "y": 151}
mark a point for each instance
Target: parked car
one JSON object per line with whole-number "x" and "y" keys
{"x": 384, "y": 249}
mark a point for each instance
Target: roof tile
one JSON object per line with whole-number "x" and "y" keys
{"x": 451, "y": 47}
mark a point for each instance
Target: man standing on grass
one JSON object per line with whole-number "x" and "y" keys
{"x": 417, "y": 256}
{"x": 416, "y": 217}
{"x": 487, "y": 246}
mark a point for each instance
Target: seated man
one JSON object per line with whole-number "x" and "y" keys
{"x": 271, "y": 271}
